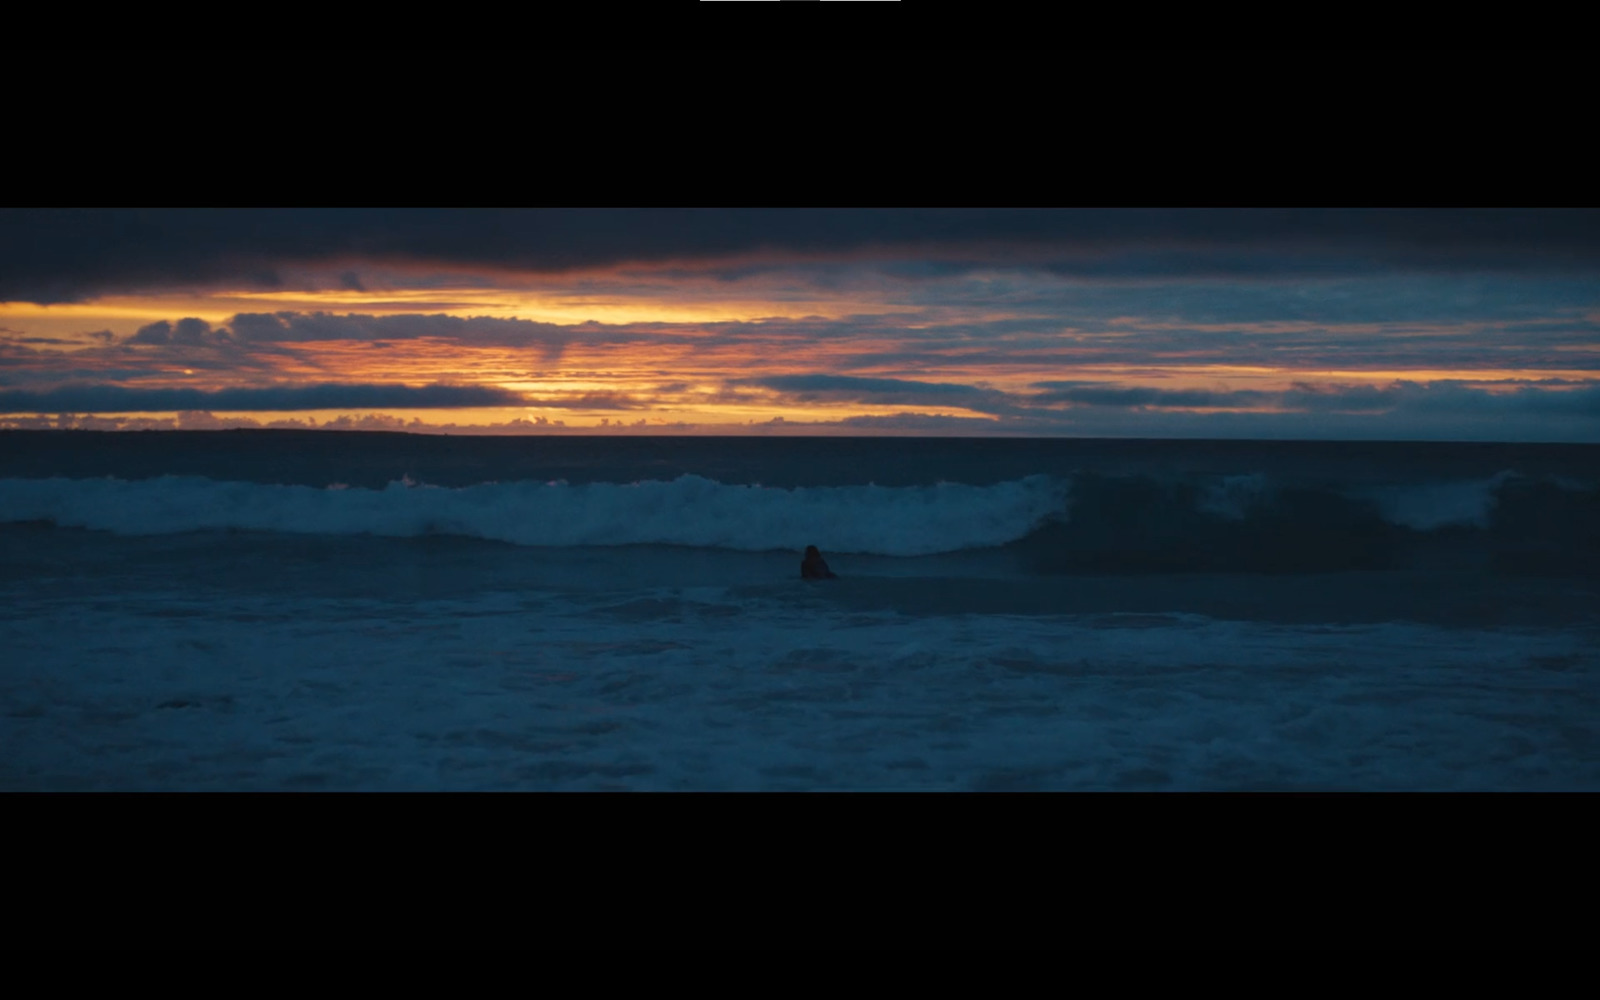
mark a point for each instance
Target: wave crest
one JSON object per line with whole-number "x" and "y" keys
{"x": 689, "y": 510}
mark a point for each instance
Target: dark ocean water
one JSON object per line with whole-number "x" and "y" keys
{"x": 374, "y": 459}
{"x": 1055, "y": 507}
{"x": 248, "y": 609}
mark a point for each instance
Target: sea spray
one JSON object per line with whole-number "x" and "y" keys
{"x": 689, "y": 510}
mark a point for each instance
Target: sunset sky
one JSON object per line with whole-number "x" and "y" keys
{"x": 1405, "y": 324}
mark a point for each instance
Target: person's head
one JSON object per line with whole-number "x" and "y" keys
{"x": 812, "y": 553}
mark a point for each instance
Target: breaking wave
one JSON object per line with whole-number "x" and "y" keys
{"x": 1256, "y": 523}
{"x": 1428, "y": 507}
{"x": 1078, "y": 523}
{"x": 689, "y": 510}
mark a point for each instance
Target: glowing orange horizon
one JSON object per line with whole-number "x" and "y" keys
{"x": 658, "y": 358}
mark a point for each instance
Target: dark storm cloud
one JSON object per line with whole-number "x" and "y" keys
{"x": 1100, "y": 395}
{"x": 1077, "y": 339}
{"x": 186, "y": 331}
{"x": 1408, "y": 411}
{"x": 49, "y": 255}
{"x": 854, "y": 387}
{"x": 1453, "y": 397}
{"x": 159, "y": 332}
{"x": 1042, "y": 410}
{"x": 1441, "y": 397}
{"x": 1444, "y": 397}
{"x": 116, "y": 399}
{"x": 289, "y": 327}
{"x": 882, "y": 391}
{"x": 587, "y": 401}
{"x": 1380, "y": 295}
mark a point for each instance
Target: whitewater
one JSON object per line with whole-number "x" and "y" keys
{"x": 689, "y": 510}
{"x": 253, "y": 612}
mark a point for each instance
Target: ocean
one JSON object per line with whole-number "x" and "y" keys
{"x": 282, "y": 610}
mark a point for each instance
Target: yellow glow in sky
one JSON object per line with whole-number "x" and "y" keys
{"x": 659, "y": 358}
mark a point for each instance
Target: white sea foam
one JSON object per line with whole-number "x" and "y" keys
{"x": 1232, "y": 497}
{"x": 690, "y": 510}
{"x": 1437, "y": 505}
{"x": 232, "y": 690}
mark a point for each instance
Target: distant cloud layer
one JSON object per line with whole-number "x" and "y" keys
{"x": 809, "y": 387}
{"x": 1159, "y": 322}
{"x": 1445, "y": 396}
{"x": 116, "y": 399}
{"x": 289, "y": 327}
{"x": 69, "y": 255}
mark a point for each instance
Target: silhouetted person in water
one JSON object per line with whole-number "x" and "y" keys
{"x": 814, "y": 568}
